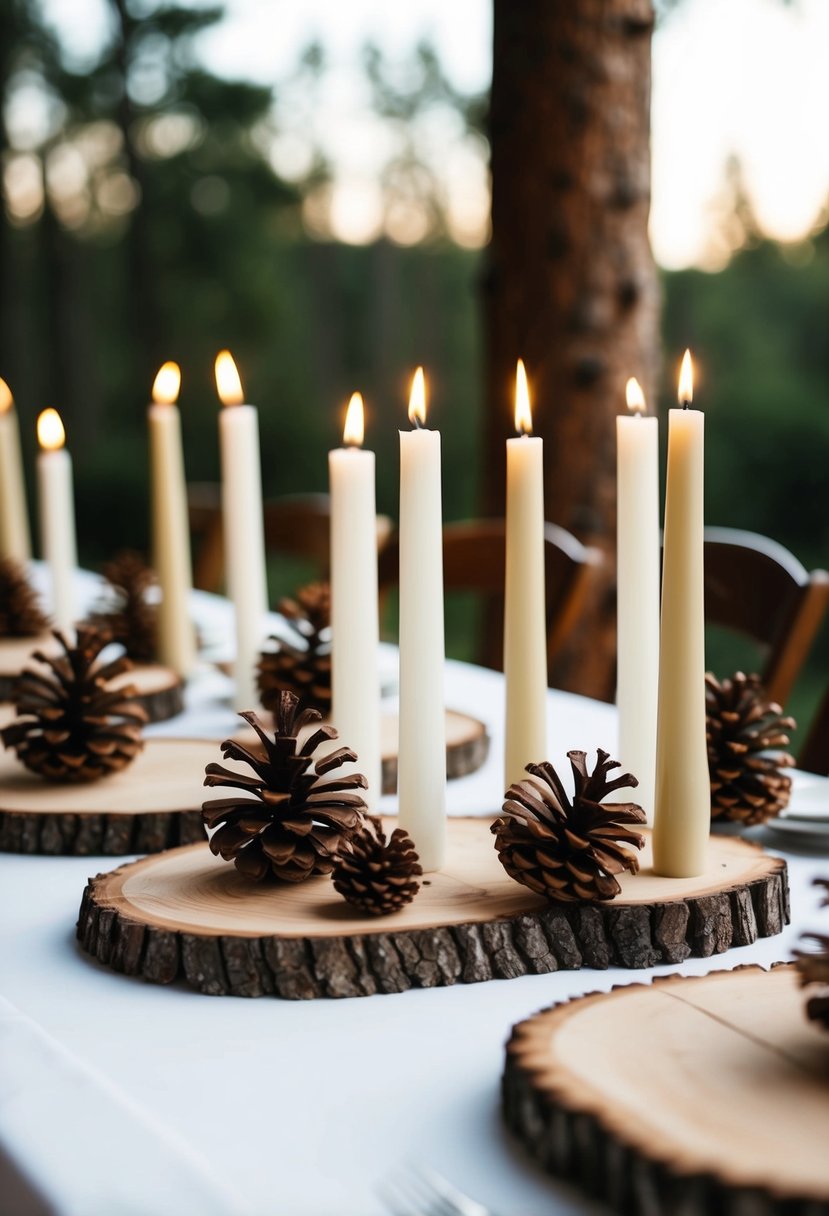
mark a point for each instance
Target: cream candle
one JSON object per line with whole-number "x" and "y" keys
{"x": 683, "y": 792}
{"x": 244, "y": 534}
{"x": 637, "y": 551}
{"x": 525, "y": 630}
{"x": 421, "y": 776}
{"x": 14, "y": 518}
{"x": 57, "y": 516}
{"x": 355, "y": 631}
{"x": 170, "y": 526}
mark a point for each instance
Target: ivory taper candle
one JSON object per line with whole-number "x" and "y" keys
{"x": 170, "y": 526}
{"x": 355, "y": 632}
{"x": 14, "y": 520}
{"x": 525, "y": 631}
{"x": 682, "y": 817}
{"x": 637, "y": 552}
{"x": 57, "y": 516}
{"x": 244, "y": 534}
{"x": 421, "y": 766}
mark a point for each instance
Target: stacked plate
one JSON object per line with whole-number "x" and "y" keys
{"x": 805, "y": 820}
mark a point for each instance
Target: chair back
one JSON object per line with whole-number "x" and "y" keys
{"x": 474, "y": 560}
{"x": 756, "y": 587}
{"x": 297, "y": 524}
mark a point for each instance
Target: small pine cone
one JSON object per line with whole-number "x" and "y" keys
{"x": 301, "y": 665}
{"x": 73, "y": 726}
{"x": 20, "y": 614}
{"x": 743, "y": 728}
{"x": 813, "y": 968}
{"x": 286, "y": 817}
{"x": 569, "y": 851}
{"x": 377, "y": 875}
{"x": 125, "y": 610}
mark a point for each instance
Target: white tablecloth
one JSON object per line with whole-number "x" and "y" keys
{"x": 122, "y": 1097}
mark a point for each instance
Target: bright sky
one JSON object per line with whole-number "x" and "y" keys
{"x": 744, "y": 77}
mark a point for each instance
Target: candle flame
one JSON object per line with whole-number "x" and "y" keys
{"x": 50, "y": 432}
{"x": 6, "y": 399}
{"x": 227, "y": 380}
{"x": 523, "y": 414}
{"x": 354, "y": 428}
{"x": 634, "y": 396}
{"x": 686, "y": 380}
{"x": 417, "y": 399}
{"x": 166, "y": 384}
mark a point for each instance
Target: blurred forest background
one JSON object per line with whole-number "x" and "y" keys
{"x": 145, "y": 220}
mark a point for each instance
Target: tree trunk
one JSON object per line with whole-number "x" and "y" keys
{"x": 142, "y": 304}
{"x": 571, "y": 285}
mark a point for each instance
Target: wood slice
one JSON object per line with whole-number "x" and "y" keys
{"x": 693, "y": 1095}
{"x": 188, "y": 914}
{"x": 467, "y": 745}
{"x": 152, "y": 804}
{"x": 161, "y": 690}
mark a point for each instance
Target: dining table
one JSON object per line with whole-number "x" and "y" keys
{"x": 120, "y": 1097}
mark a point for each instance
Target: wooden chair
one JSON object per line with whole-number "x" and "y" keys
{"x": 298, "y": 524}
{"x": 474, "y": 560}
{"x": 757, "y": 588}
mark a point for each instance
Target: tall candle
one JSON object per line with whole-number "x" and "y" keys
{"x": 355, "y": 632}
{"x": 244, "y": 534}
{"x": 170, "y": 527}
{"x": 14, "y": 519}
{"x": 637, "y": 549}
{"x": 57, "y": 516}
{"x": 421, "y": 767}
{"x": 525, "y": 630}
{"x": 683, "y": 793}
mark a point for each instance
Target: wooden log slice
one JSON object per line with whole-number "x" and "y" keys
{"x": 161, "y": 690}
{"x": 691, "y": 1095}
{"x": 152, "y": 804}
{"x": 187, "y": 914}
{"x": 467, "y": 745}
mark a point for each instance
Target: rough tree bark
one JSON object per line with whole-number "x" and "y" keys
{"x": 571, "y": 284}
{"x": 143, "y": 314}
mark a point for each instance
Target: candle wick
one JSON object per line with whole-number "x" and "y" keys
{"x": 418, "y": 425}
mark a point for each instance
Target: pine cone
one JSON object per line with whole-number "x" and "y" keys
{"x": 567, "y": 850}
{"x": 301, "y": 665}
{"x": 73, "y": 726}
{"x": 378, "y": 876}
{"x": 20, "y": 614}
{"x": 284, "y": 818}
{"x": 124, "y": 610}
{"x": 747, "y": 786}
{"x": 813, "y": 967}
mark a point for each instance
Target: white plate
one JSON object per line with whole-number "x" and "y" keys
{"x": 810, "y": 800}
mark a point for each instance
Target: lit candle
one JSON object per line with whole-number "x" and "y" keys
{"x": 244, "y": 534}
{"x": 421, "y": 767}
{"x": 637, "y": 551}
{"x": 57, "y": 516}
{"x": 525, "y": 630}
{"x": 170, "y": 527}
{"x": 14, "y": 520}
{"x": 355, "y": 679}
{"x": 683, "y": 793}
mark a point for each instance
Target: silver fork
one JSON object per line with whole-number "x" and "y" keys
{"x": 419, "y": 1191}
